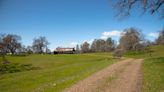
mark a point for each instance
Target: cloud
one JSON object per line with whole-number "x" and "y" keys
{"x": 72, "y": 44}
{"x": 88, "y": 41}
{"x": 114, "y": 33}
{"x": 154, "y": 34}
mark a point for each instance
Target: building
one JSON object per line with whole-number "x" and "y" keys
{"x": 64, "y": 50}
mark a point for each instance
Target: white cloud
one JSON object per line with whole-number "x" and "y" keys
{"x": 88, "y": 41}
{"x": 114, "y": 33}
{"x": 72, "y": 44}
{"x": 154, "y": 34}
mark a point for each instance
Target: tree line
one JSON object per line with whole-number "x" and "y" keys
{"x": 11, "y": 43}
{"x": 99, "y": 45}
{"x": 131, "y": 39}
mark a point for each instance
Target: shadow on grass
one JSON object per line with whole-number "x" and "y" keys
{"x": 16, "y": 67}
{"x": 157, "y": 60}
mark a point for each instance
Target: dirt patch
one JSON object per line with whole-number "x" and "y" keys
{"x": 123, "y": 76}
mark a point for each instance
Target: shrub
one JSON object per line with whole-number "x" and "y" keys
{"x": 15, "y": 67}
{"x": 118, "y": 53}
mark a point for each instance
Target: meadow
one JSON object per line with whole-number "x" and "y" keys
{"x": 55, "y": 73}
{"x": 153, "y": 68}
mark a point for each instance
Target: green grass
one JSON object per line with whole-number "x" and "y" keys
{"x": 153, "y": 68}
{"x": 56, "y": 72}
{"x": 154, "y": 75}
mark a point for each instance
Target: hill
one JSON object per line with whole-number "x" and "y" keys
{"x": 153, "y": 68}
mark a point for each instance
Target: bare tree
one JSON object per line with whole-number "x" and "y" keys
{"x": 85, "y": 47}
{"x": 160, "y": 39}
{"x": 11, "y": 43}
{"x": 131, "y": 39}
{"x": 124, "y": 7}
{"x": 2, "y": 49}
{"x": 100, "y": 45}
{"x": 29, "y": 49}
{"x": 22, "y": 50}
{"x": 118, "y": 53}
{"x": 94, "y": 46}
{"x": 40, "y": 44}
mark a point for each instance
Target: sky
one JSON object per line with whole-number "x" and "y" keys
{"x": 66, "y": 23}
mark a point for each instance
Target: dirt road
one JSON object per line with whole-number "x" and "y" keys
{"x": 123, "y": 76}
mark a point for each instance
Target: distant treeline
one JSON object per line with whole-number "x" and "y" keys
{"x": 131, "y": 39}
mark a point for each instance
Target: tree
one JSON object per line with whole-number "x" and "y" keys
{"x": 11, "y": 43}
{"x": 100, "y": 45}
{"x": 1, "y": 45}
{"x": 85, "y": 47}
{"x": 94, "y": 46}
{"x": 29, "y": 49}
{"x": 22, "y": 50}
{"x": 48, "y": 51}
{"x": 160, "y": 39}
{"x": 124, "y": 7}
{"x": 110, "y": 45}
{"x": 131, "y": 39}
{"x": 77, "y": 49}
{"x": 40, "y": 44}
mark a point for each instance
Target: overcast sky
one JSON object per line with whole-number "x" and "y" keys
{"x": 69, "y": 22}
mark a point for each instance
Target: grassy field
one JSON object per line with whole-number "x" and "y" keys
{"x": 56, "y": 72}
{"x": 153, "y": 69}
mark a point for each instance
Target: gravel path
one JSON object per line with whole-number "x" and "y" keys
{"x": 123, "y": 76}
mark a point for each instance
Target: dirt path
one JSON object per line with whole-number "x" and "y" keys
{"x": 123, "y": 76}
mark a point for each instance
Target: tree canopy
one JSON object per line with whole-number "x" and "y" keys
{"x": 40, "y": 44}
{"x": 10, "y": 43}
{"x": 131, "y": 39}
{"x": 125, "y": 7}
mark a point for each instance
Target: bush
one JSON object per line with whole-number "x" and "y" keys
{"x": 118, "y": 53}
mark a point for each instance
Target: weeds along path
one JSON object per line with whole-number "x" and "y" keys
{"x": 123, "y": 76}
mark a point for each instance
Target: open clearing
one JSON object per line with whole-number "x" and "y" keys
{"x": 56, "y": 72}
{"x": 123, "y": 76}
